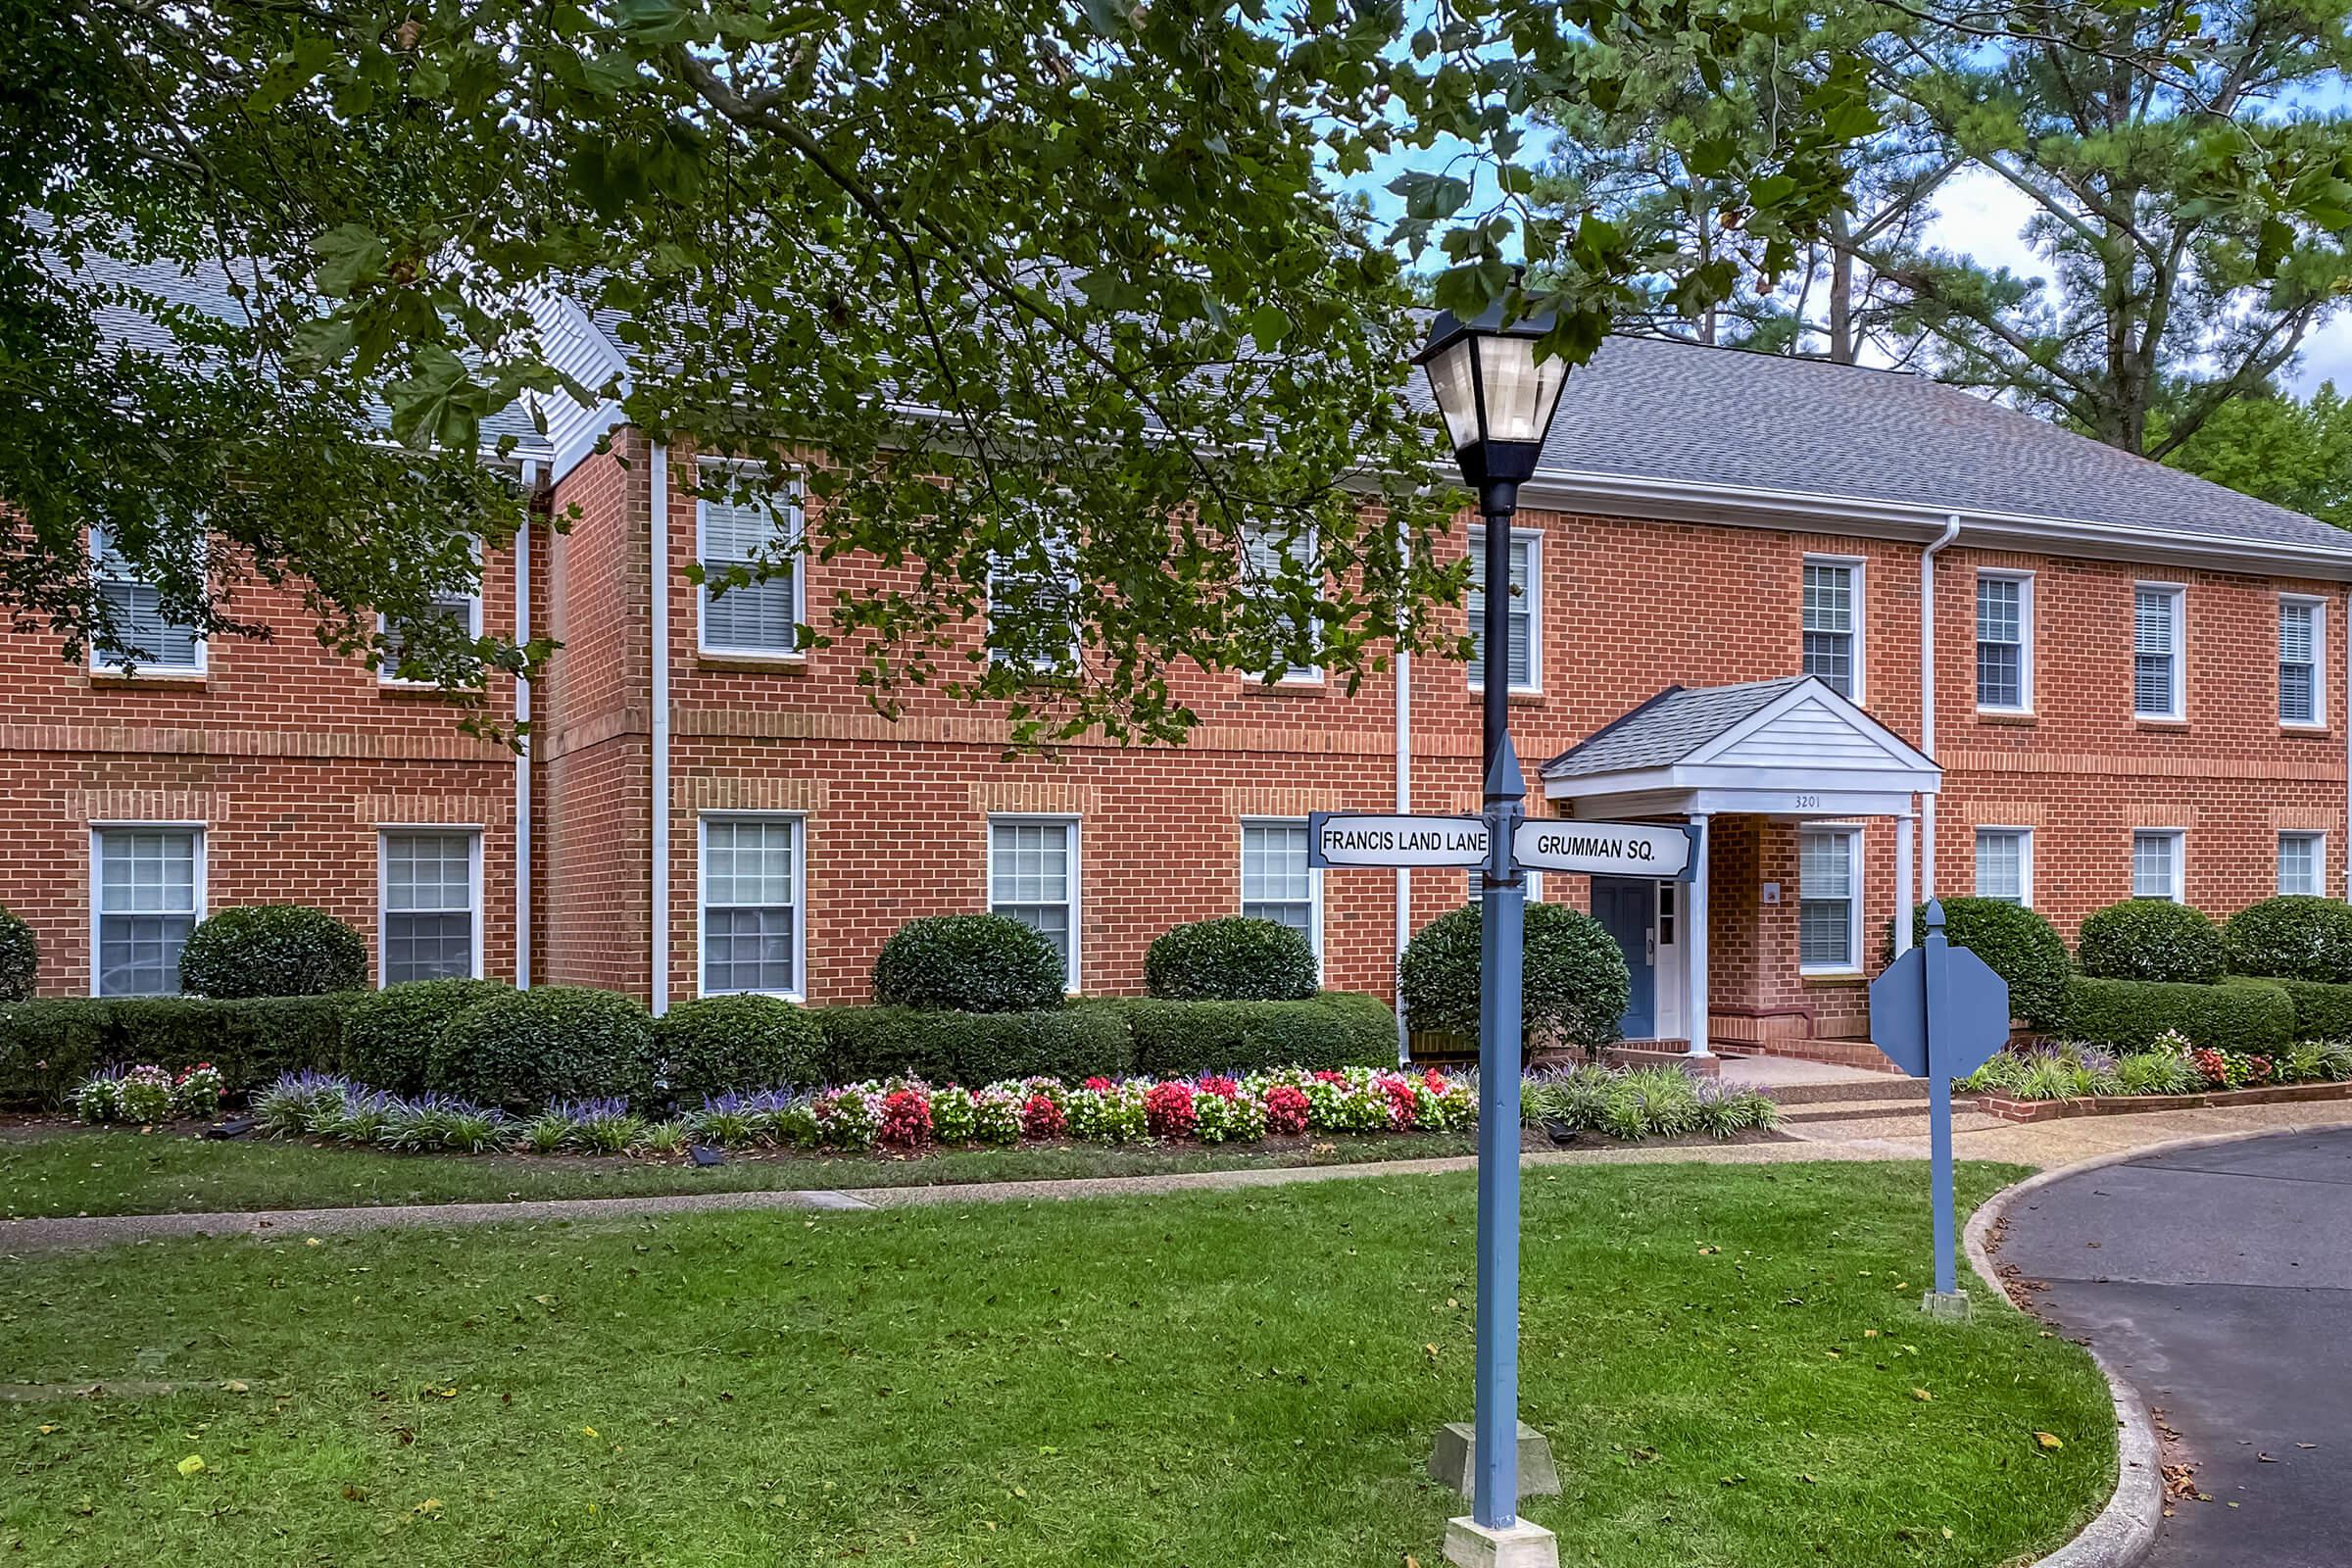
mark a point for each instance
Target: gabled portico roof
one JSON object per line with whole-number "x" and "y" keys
{"x": 1789, "y": 748}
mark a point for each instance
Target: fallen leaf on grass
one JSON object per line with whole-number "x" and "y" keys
{"x": 2049, "y": 1439}
{"x": 193, "y": 1464}
{"x": 1922, "y": 1396}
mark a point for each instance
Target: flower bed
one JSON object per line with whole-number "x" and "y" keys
{"x": 2053, "y": 1079}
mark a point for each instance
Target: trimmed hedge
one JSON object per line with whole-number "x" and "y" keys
{"x": 971, "y": 1048}
{"x": 1232, "y": 959}
{"x": 388, "y": 1035}
{"x": 2128, "y": 1014}
{"x": 2150, "y": 938}
{"x": 716, "y": 1043}
{"x": 49, "y": 1045}
{"x": 2322, "y": 1012}
{"x": 20, "y": 958}
{"x": 1576, "y": 983}
{"x": 2292, "y": 937}
{"x": 1179, "y": 1039}
{"x": 2021, "y": 946}
{"x": 272, "y": 950}
{"x": 970, "y": 963}
{"x": 527, "y": 1048}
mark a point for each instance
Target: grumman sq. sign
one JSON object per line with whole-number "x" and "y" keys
{"x": 1604, "y": 849}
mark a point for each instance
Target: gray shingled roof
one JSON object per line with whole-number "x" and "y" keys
{"x": 206, "y": 289}
{"x": 1654, "y": 409}
{"x": 1669, "y": 728}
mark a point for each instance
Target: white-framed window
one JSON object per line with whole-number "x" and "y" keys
{"x": 150, "y": 642}
{"x": 1532, "y": 881}
{"x": 1265, "y": 549}
{"x": 753, "y": 916}
{"x": 1277, "y": 883}
{"x": 430, "y": 903}
{"x": 2303, "y": 863}
{"x": 1526, "y": 615}
{"x": 463, "y": 609}
{"x": 146, "y": 895}
{"x": 2005, "y": 865}
{"x": 1829, "y": 909}
{"x": 1032, "y": 605}
{"x": 2158, "y": 863}
{"x": 2302, "y": 648}
{"x": 1033, "y": 878}
{"x": 1832, "y": 625}
{"x": 763, "y": 617}
{"x": 2157, "y": 660}
{"x": 2005, "y": 642}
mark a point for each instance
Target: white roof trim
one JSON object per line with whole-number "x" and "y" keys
{"x": 1741, "y": 506}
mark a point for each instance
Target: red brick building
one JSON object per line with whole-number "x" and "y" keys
{"x": 2041, "y": 670}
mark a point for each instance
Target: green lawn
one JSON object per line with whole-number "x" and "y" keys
{"x": 1729, "y": 1360}
{"x": 120, "y": 1172}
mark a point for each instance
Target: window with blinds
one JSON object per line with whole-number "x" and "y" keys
{"x": 1266, "y": 550}
{"x": 145, "y": 639}
{"x": 2298, "y": 661}
{"x": 1525, "y": 622}
{"x": 2004, "y": 864}
{"x": 1032, "y": 615}
{"x": 2003, "y": 651}
{"x": 1832, "y": 624}
{"x": 2155, "y": 652}
{"x": 1829, "y": 899}
{"x": 737, "y": 531}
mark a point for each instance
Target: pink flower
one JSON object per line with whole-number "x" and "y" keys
{"x": 1168, "y": 1110}
{"x": 1041, "y": 1117}
{"x": 1286, "y": 1109}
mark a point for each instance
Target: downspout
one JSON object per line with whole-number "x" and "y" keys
{"x": 1926, "y": 698}
{"x": 658, "y": 545}
{"x": 522, "y": 741}
{"x": 1404, "y": 805}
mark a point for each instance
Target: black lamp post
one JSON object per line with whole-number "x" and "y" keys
{"x": 1497, "y": 401}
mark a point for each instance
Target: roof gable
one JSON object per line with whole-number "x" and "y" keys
{"x": 1794, "y": 725}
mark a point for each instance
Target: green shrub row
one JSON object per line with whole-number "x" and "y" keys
{"x": 2128, "y": 1014}
{"x": 49, "y": 1045}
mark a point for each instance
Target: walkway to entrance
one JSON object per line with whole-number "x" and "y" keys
{"x": 1788, "y": 750}
{"x": 2219, "y": 1281}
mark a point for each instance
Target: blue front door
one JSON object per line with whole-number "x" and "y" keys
{"x": 1627, "y": 908}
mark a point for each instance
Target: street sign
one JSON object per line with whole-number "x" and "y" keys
{"x": 1606, "y": 848}
{"x": 1939, "y": 1012}
{"x": 1353, "y": 838}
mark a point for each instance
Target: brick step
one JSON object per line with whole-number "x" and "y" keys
{"x": 1909, "y": 1091}
{"x": 1854, "y": 1110}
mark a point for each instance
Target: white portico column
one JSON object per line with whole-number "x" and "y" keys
{"x": 1904, "y": 895}
{"x": 1695, "y": 940}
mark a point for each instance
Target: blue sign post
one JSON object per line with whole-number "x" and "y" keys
{"x": 1939, "y": 1012}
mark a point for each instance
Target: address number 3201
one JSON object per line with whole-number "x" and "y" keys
{"x": 1808, "y": 803}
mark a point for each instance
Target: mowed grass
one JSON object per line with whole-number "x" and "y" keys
{"x": 1729, "y": 1361}
{"x": 123, "y": 1171}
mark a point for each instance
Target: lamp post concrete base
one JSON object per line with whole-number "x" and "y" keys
{"x": 1519, "y": 1545}
{"x": 1946, "y": 1306}
{"x": 1452, "y": 1462}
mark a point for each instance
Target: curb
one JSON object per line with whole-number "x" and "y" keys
{"x": 2125, "y": 1531}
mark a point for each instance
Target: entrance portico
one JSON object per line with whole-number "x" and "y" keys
{"x": 1787, "y": 750}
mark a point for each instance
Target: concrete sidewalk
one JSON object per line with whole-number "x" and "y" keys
{"x": 2040, "y": 1145}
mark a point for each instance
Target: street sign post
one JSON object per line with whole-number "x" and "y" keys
{"x": 1371, "y": 838}
{"x": 1939, "y": 1012}
{"x": 1607, "y": 849}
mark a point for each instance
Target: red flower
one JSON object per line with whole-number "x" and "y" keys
{"x": 1324, "y": 1075}
{"x": 1040, "y": 1117}
{"x": 1286, "y": 1109}
{"x": 905, "y": 1119}
{"x": 1436, "y": 1081}
{"x": 1098, "y": 1083}
{"x": 1168, "y": 1110}
{"x": 1403, "y": 1106}
{"x": 2211, "y": 1065}
{"x": 1220, "y": 1086}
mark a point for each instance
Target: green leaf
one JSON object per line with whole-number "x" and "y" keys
{"x": 349, "y": 255}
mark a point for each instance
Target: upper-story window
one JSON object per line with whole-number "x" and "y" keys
{"x": 1526, "y": 612}
{"x": 2004, "y": 643}
{"x": 2156, "y": 650}
{"x": 146, "y": 640}
{"x": 463, "y": 609}
{"x": 1031, "y": 607}
{"x": 1832, "y": 625}
{"x": 2302, "y": 691}
{"x": 1264, "y": 550}
{"x": 734, "y": 529}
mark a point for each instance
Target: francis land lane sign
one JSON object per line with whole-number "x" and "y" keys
{"x": 1595, "y": 848}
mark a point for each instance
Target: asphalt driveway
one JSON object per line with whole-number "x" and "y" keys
{"x": 2220, "y": 1281}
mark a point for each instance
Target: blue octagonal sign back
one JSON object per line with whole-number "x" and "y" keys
{"x": 1971, "y": 1002}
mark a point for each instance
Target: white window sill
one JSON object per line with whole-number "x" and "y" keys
{"x": 149, "y": 672}
{"x": 1983, "y": 712}
{"x": 1828, "y": 974}
{"x": 757, "y": 655}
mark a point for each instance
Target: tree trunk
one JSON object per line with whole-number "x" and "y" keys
{"x": 1841, "y": 291}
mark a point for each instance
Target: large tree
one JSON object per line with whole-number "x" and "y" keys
{"x": 2187, "y": 171}
{"x": 2297, "y": 453}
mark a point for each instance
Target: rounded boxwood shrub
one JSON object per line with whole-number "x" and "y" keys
{"x": 524, "y": 1049}
{"x": 272, "y": 950}
{"x": 2150, "y": 938}
{"x": 20, "y": 958}
{"x": 2021, "y": 947}
{"x": 716, "y": 1043}
{"x": 2292, "y": 937}
{"x": 968, "y": 963}
{"x": 1576, "y": 983}
{"x": 388, "y": 1035}
{"x": 1232, "y": 959}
